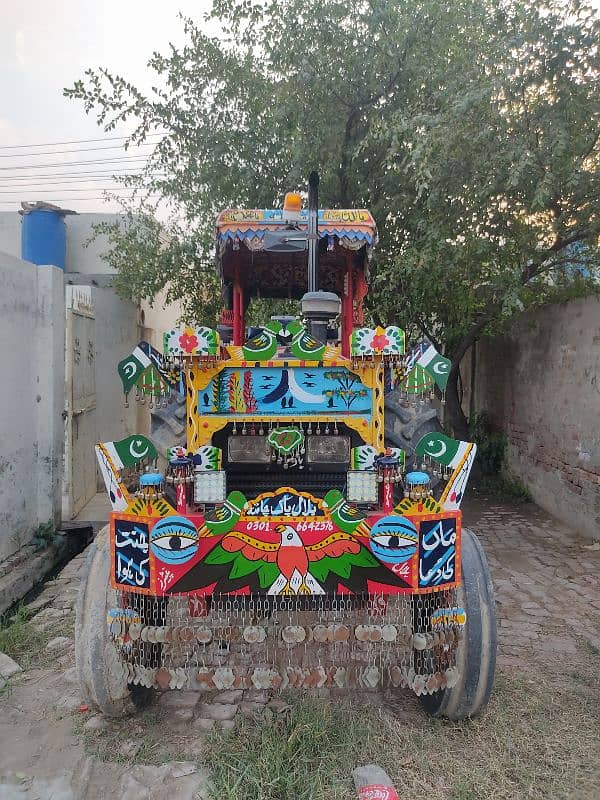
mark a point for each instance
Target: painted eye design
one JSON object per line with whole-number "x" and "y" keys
{"x": 174, "y": 540}
{"x": 394, "y": 539}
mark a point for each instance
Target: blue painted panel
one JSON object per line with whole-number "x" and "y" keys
{"x": 291, "y": 391}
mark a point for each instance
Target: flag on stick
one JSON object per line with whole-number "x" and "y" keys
{"x": 447, "y": 451}
{"x": 127, "y": 452}
{"x": 436, "y": 365}
{"x": 130, "y": 369}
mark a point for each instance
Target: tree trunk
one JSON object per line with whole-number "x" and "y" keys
{"x": 456, "y": 416}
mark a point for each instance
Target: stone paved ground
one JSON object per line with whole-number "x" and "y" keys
{"x": 546, "y": 580}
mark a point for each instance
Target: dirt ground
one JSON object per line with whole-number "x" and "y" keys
{"x": 539, "y": 738}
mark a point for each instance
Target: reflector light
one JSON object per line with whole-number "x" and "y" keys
{"x": 362, "y": 486}
{"x": 248, "y": 449}
{"x": 210, "y": 486}
{"x": 328, "y": 449}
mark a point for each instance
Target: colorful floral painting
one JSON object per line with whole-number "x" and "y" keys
{"x": 379, "y": 341}
{"x": 190, "y": 340}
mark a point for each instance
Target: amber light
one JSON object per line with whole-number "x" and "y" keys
{"x": 292, "y": 202}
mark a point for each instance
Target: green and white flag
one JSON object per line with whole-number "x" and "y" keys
{"x": 447, "y": 451}
{"x": 131, "y": 368}
{"x": 128, "y": 451}
{"x": 436, "y": 365}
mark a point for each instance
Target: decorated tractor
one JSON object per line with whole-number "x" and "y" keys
{"x": 308, "y": 533}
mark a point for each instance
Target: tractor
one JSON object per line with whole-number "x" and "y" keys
{"x": 308, "y": 532}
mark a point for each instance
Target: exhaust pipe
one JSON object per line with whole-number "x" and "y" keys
{"x": 319, "y": 308}
{"x": 313, "y": 232}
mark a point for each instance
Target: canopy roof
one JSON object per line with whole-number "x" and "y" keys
{"x": 352, "y": 226}
{"x": 240, "y": 235}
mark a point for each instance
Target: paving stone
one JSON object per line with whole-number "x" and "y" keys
{"x": 231, "y": 696}
{"x": 183, "y": 714}
{"x": 176, "y": 699}
{"x": 98, "y": 723}
{"x": 59, "y": 643}
{"x": 248, "y": 708}
{"x": 8, "y": 667}
{"x": 70, "y": 676}
{"x": 218, "y": 711}
{"x": 203, "y": 724}
{"x": 257, "y": 695}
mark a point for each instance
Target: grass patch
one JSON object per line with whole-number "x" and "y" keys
{"x": 304, "y": 753}
{"x": 536, "y": 740}
{"x": 503, "y": 488}
{"x": 19, "y": 639}
{"x": 25, "y": 643}
{"x": 138, "y": 740}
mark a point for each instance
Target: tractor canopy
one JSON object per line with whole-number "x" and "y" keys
{"x": 263, "y": 253}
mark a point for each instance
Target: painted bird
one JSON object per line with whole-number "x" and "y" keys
{"x": 306, "y": 347}
{"x": 291, "y": 556}
{"x": 263, "y": 346}
{"x": 225, "y": 517}
{"x": 282, "y": 564}
{"x": 345, "y": 516}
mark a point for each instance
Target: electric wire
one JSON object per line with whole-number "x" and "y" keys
{"x": 106, "y": 173}
{"x": 76, "y": 150}
{"x": 72, "y": 141}
{"x": 77, "y": 163}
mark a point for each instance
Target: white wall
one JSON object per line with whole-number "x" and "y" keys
{"x": 32, "y": 328}
{"x": 158, "y": 318}
{"x": 10, "y": 233}
{"x": 84, "y": 256}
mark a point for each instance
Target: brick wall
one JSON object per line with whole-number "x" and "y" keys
{"x": 541, "y": 385}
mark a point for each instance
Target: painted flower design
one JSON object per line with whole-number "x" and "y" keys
{"x": 188, "y": 340}
{"x": 379, "y": 341}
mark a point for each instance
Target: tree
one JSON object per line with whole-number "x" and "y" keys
{"x": 470, "y": 130}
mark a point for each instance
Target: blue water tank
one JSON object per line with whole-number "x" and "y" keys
{"x": 43, "y": 234}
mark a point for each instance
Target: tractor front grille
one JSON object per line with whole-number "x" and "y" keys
{"x": 251, "y": 484}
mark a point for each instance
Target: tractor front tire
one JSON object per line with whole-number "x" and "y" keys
{"x": 476, "y": 656}
{"x": 102, "y": 679}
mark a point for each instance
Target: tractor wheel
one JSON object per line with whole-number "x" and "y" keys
{"x": 406, "y": 424}
{"x": 476, "y": 656}
{"x": 102, "y": 679}
{"x": 167, "y": 424}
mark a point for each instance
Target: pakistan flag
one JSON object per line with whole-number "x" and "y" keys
{"x": 128, "y": 451}
{"x": 436, "y": 365}
{"x": 449, "y": 452}
{"x": 131, "y": 368}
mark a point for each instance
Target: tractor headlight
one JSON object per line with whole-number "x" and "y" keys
{"x": 210, "y": 486}
{"x": 362, "y": 486}
{"x": 328, "y": 449}
{"x": 248, "y": 449}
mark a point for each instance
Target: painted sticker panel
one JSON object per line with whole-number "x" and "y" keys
{"x": 131, "y": 554}
{"x": 286, "y": 390}
{"x": 287, "y": 543}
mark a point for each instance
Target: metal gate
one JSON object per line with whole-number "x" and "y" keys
{"x": 80, "y": 400}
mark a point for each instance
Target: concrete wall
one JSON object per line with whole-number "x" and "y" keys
{"x": 117, "y": 328}
{"x": 85, "y": 256}
{"x": 158, "y": 318}
{"x": 10, "y": 233}
{"x": 117, "y": 333}
{"x": 32, "y": 328}
{"x": 541, "y": 384}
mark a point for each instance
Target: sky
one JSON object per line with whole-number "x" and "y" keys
{"x": 46, "y": 45}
